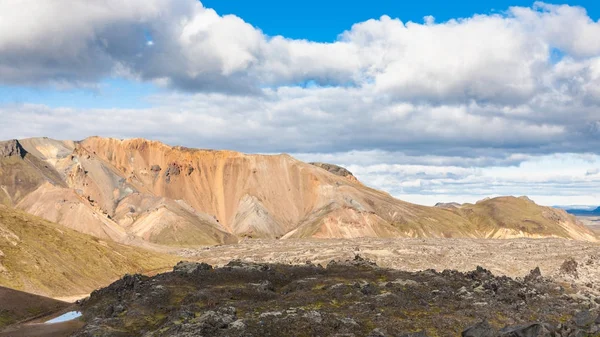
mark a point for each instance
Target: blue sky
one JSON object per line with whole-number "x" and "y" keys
{"x": 320, "y": 20}
{"x": 108, "y": 93}
{"x": 491, "y": 98}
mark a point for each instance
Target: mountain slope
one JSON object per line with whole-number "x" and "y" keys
{"x": 18, "y": 306}
{"x": 21, "y": 172}
{"x": 45, "y": 258}
{"x": 135, "y": 188}
{"x": 278, "y": 193}
{"x": 61, "y": 182}
{"x": 508, "y": 217}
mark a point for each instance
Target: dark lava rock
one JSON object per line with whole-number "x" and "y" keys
{"x": 584, "y": 319}
{"x": 481, "y": 329}
{"x": 348, "y": 298}
{"x": 480, "y": 274}
{"x": 534, "y": 275}
{"x": 247, "y": 266}
{"x": 266, "y": 286}
{"x": 415, "y": 334}
{"x": 569, "y": 267}
{"x": 530, "y": 330}
{"x": 184, "y": 267}
{"x": 369, "y": 289}
{"x": 155, "y": 168}
{"x": 127, "y": 284}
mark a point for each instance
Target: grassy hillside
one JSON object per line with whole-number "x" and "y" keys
{"x": 505, "y": 216}
{"x": 45, "y": 258}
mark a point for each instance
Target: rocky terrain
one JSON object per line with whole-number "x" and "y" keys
{"x": 149, "y": 194}
{"x": 513, "y": 257}
{"x": 343, "y": 298}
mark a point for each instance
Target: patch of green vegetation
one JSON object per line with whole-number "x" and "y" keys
{"x": 35, "y": 311}
{"x": 6, "y": 319}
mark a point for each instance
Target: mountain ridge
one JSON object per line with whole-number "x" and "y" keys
{"x": 142, "y": 191}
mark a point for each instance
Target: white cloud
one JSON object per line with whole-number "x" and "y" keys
{"x": 561, "y": 179}
{"x": 485, "y": 58}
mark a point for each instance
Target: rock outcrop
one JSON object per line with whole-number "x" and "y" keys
{"x": 346, "y": 298}
{"x": 11, "y": 148}
{"x": 337, "y": 170}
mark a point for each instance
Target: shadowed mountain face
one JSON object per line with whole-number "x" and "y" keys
{"x": 145, "y": 192}
{"x": 18, "y": 306}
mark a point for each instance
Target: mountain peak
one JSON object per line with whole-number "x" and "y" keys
{"x": 11, "y": 148}
{"x": 337, "y": 170}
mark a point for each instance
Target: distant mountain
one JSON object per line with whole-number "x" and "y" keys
{"x": 448, "y": 205}
{"x": 584, "y": 212}
{"x": 521, "y": 217}
{"x": 147, "y": 193}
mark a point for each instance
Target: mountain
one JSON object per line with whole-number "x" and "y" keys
{"x": 49, "y": 259}
{"x": 449, "y": 205}
{"x": 147, "y": 193}
{"x": 508, "y": 217}
{"x": 584, "y": 212}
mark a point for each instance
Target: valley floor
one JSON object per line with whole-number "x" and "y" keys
{"x": 514, "y": 258}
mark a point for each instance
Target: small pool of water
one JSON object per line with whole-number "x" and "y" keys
{"x": 69, "y": 316}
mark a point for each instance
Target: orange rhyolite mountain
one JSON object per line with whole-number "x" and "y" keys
{"x": 138, "y": 190}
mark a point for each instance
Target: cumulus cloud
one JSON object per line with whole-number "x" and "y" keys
{"x": 487, "y": 58}
{"x": 293, "y": 119}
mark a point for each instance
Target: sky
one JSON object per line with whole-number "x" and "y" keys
{"x": 431, "y": 101}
